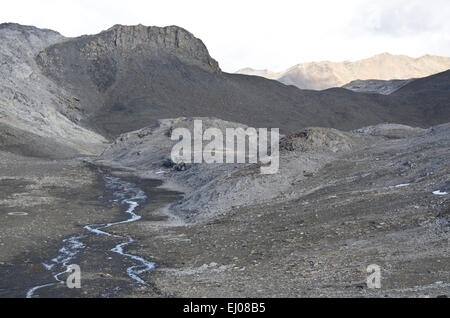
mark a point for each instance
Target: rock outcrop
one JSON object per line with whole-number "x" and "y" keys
{"x": 100, "y": 57}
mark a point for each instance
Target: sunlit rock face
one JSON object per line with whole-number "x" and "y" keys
{"x": 385, "y": 66}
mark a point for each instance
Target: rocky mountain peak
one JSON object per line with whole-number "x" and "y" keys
{"x": 173, "y": 39}
{"x": 123, "y": 54}
{"x": 121, "y": 42}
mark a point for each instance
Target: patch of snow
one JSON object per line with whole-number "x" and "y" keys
{"x": 402, "y": 185}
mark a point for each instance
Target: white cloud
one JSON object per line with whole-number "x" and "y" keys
{"x": 403, "y": 17}
{"x": 262, "y": 34}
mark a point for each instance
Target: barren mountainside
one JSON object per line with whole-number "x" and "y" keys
{"x": 128, "y": 77}
{"x": 376, "y": 86}
{"x": 323, "y": 75}
{"x": 87, "y": 174}
{"x": 80, "y": 90}
{"x": 33, "y": 107}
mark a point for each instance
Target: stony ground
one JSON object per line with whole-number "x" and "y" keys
{"x": 319, "y": 245}
{"x": 41, "y": 203}
{"x": 374, "y": 205}
{"x": 371, "y": 205}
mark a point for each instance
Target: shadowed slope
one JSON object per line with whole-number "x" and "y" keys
{"x": 129, "y": 76}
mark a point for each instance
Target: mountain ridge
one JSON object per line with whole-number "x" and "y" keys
{"x": 384, "y": 66}
{"x": 82, "y": 91}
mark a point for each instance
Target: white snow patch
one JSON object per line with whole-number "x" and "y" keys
{"x": 402, "y": 185}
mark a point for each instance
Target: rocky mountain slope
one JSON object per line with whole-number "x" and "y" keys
{"x": 323, "y": 75}
{"x": 76, "y": 91}
{"x": 37, "y": 116}
{"x": 376, "y": 86}
{"x": 128, "y": 77}
{"x": 432, "y": 90}
{"x": 341, "y": 201}
{"x": 212, "y": 189}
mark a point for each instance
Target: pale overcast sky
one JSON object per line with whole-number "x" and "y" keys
{"x": 261, "y": 34}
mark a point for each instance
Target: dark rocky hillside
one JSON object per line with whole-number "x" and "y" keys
{"x": 429, "y": 96}
{"x": 129, "y": 76}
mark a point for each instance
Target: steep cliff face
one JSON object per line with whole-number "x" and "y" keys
{"x": 100, "y": 58}
{"x": 171, "y": 40}
{"x": 125, "y": 74}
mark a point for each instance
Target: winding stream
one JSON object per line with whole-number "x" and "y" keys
{"x": 125, "y": 194}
